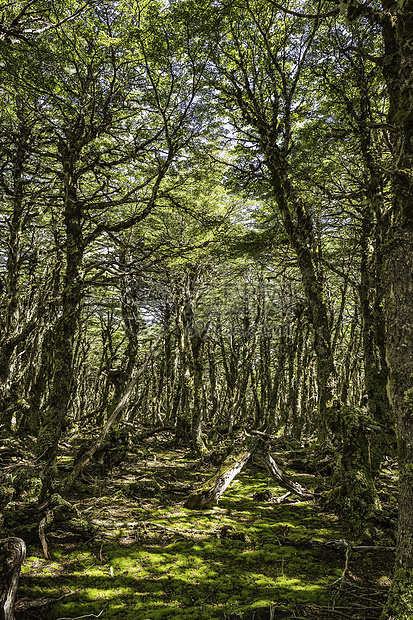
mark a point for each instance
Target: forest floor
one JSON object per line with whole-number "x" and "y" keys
{"x": 259, "y": 553}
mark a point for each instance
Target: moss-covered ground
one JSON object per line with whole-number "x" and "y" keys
{"x": 149, "y": 558}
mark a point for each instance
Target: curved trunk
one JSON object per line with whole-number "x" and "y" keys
{"x": 12, "y": 556}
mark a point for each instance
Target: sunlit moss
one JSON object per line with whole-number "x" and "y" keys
{"x": 189, "y": 571}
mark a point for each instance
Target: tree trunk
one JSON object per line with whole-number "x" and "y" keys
{"x": 400, "y": 358}
{"x": 66, "y": 327}
{"x": 397, "y": 26}
{"x": 12, "y": 556}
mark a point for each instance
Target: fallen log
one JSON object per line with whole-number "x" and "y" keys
{"x": 281, "y": 479}
{"x": 210, "y": 492}
{"x": 12, "y": 556}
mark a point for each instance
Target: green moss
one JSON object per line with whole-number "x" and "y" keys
{"x": 159, "y": 574}
{"x": 400, "y": 601}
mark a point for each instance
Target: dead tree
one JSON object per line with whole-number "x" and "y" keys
{"x": 12, "y": 556}
{"x": 210, "y": 492}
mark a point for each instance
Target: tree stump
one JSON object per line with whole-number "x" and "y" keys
{"x": 12, "y": 556}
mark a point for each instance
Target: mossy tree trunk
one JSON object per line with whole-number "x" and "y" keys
{"x": 371, "y": 287}
{"x": 67, "y": 324}
{"x": 15, "y": 329}
{"x": 191, "y": 338}
{"x": 400, "y": 356}
{"x": 397, "y": 27}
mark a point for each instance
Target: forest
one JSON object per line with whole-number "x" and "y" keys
{"x": 206, "y": 309}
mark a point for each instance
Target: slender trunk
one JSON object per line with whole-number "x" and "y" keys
{"x": 13, "y": 333}
{"x": 400, "y": 358}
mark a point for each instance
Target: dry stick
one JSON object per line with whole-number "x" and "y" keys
{"x": 163, "y": 527}
{"x": 336, "y": 612}
{"x": 373, "y": 548}
{"x": 178, "y": 532}
{"x": 79, "y": 617}
{"x": 84, "y": 460}
{"x": 341, "y": 579}
{"x": 23, "y": 603}
{"x": 280, "y": 499}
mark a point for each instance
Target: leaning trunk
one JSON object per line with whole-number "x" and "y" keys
{"x": 209, "y": 494}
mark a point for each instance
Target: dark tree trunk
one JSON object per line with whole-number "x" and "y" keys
{"x": 66, "y": 328}
{"x": 400, "y": 357}
{"x": 397, "y": 27}
{"x": 12, "y": 556}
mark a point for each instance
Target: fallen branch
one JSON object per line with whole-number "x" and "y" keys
{"x": 340, "y": 580}
{"x": 23, "y": 604}
{"x": 373, "y": 548}
{"x": 154, "y": 431}
{"x": 280, "y": 477}
{"x": 80, "y": 617}
{"x": 178, "y": 532}
{"x": 279, "y": 500}
{"x": 163, "y": 527}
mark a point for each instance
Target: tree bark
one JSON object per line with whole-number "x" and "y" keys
{"x": 397, "y": 27}
{"x": 400, "y": 358}
{"x": 12, "y": 556}
{"x": 66, "y": 327}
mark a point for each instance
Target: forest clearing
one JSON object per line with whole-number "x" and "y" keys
{"x": 206, "y": 309}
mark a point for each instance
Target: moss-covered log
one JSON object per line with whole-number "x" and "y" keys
{"x": 210, "y": 492}
{"x": 12, "y": 556}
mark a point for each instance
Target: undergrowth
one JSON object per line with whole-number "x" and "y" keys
{"x": 151, "y": 559}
